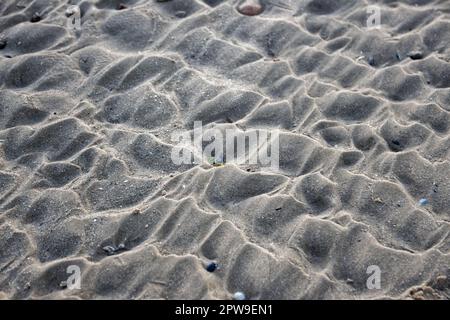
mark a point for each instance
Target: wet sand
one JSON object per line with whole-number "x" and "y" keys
{"x": 86, "y": 177}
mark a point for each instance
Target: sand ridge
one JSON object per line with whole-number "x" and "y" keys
{"x": 86, "y": 118}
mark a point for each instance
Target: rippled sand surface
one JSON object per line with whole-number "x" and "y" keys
{"x": 86, "y": 177}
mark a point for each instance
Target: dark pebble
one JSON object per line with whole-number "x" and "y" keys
{"x": 111, "y": 250}
{"x": 371, "y": 61}
{"x": 416, "y": 56}
{"x": 2, "y": 44}
{"x": 211, "y": 267}
{"x": 36, "y": 17}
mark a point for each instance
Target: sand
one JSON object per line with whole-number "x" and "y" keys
{"x": 87, "y": 181}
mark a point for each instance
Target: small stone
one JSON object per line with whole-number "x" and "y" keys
{"x": 423, "y": 202}
{"x": 164, "y": 192}
{"x": 110, "y": 250}
{"x": 239, "y": 296}
{"x": 249, "y": 8}
{"x": 211, "y": 267}
{"x": 36, "y": 17}
{"x": 416, "y": 55}
{"x": 2, "y": 44}
{"x": 121, "y": 6}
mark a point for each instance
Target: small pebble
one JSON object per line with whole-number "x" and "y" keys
{"x": 36, "y": 17}
{"x": 121, "y": 6}
{"x": 211, "y": 267}
{"x": 416, "y": 55}
{"x": 2, "y": 44}
{"x": 249, "y": 8}
{"x": 110, "y": 250}
{"x": 423, "y": 202}
{"x": 239, "y": 296}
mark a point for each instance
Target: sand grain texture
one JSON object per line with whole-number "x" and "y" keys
{"x": 85, "y": 123}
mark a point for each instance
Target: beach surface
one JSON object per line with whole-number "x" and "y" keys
{"x": 92, "y": 205}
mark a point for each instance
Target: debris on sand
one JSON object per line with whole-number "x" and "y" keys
{"x": 111, "y": 250}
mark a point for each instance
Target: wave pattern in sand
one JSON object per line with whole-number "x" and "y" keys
{"x": 85, "y": 123}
